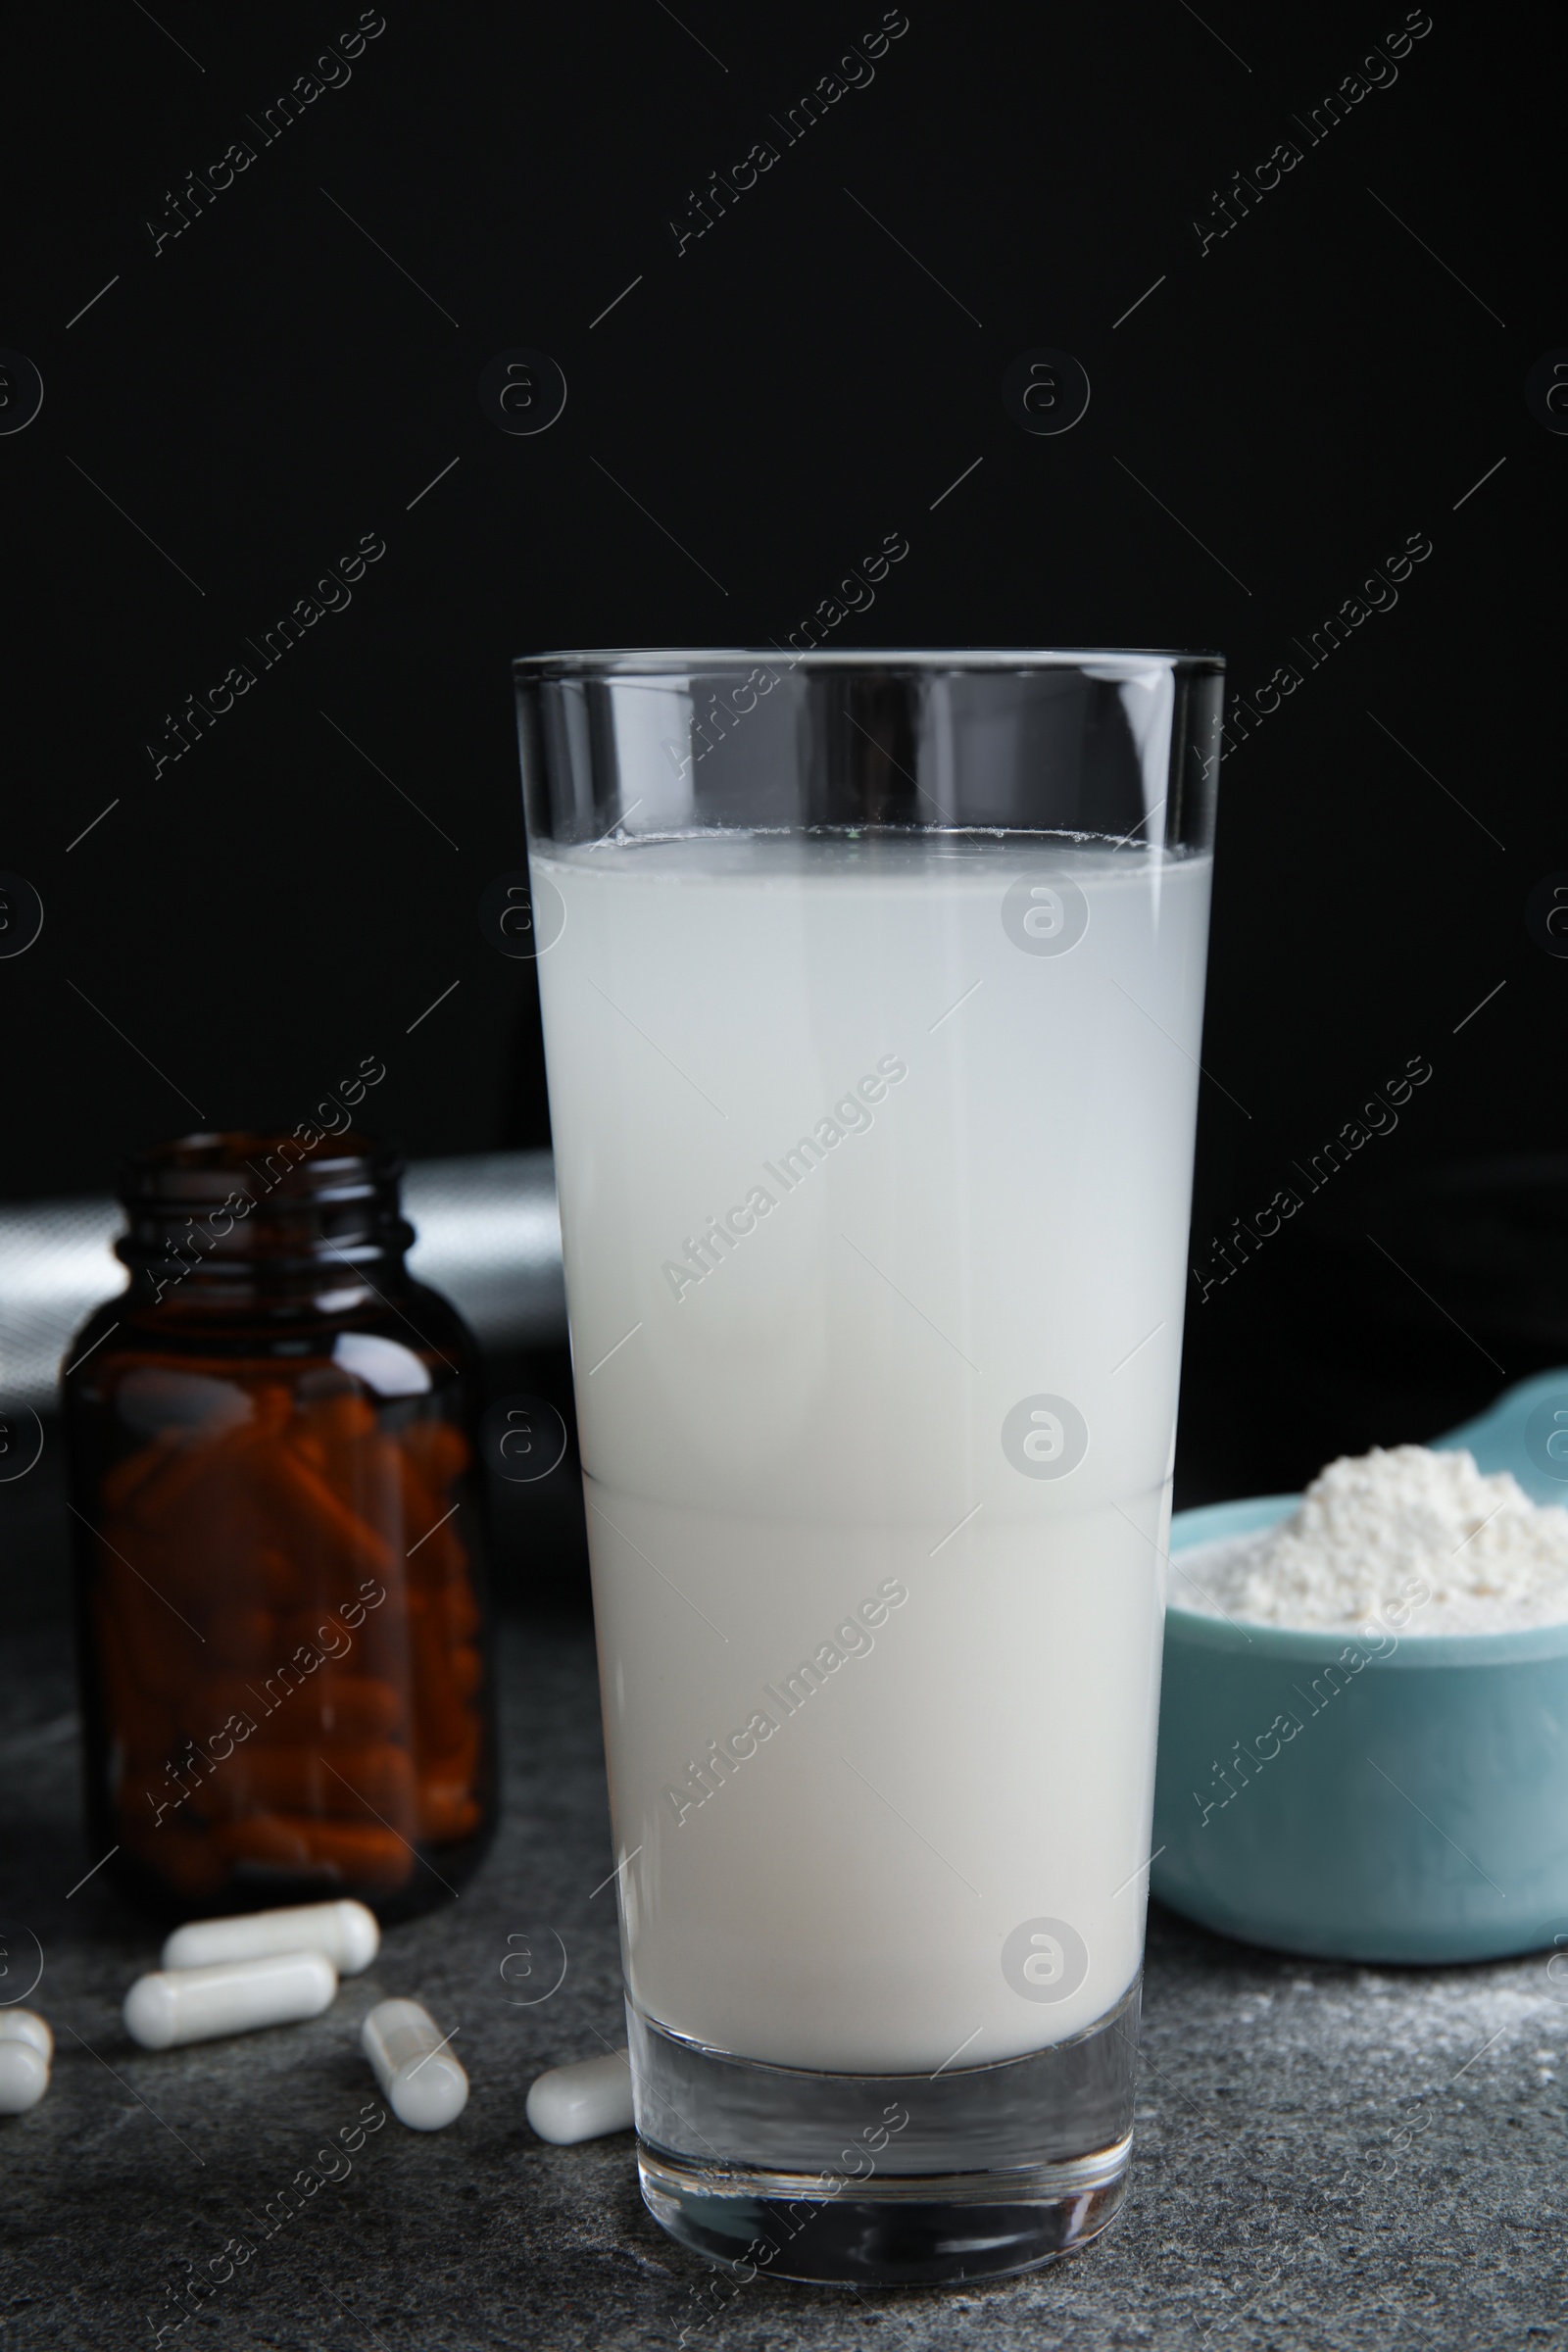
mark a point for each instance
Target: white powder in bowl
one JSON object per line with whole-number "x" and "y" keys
{"x": 1416, "y": 1540}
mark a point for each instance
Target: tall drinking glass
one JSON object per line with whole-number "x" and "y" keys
{"x": 872, "y": 993}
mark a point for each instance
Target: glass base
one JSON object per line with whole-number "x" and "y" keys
{"x": 885, "y": 2179}
{"x": 936, "y": 2229}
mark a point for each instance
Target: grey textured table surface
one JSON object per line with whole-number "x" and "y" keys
{"x": 1326, "y": 2156}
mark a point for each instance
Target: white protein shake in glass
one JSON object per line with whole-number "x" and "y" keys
{"x": 874, "y": 1171}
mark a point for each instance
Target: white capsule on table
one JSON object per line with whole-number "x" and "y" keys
{"x": 345, "y": 1933}
{"x": 420, "y": 2080}
{"x": 583, "y": 2101}
{"x": 24, "y": 2077}
{"x": 231, "y": 1996}
{"x": 27, "y": 2046}
{"x": 26, "y": 2024}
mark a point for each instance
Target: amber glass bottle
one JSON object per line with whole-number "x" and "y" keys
{"x": 281, "y": 1610}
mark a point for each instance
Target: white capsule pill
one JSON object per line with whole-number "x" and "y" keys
{"x": 345, "y": 1933}
{"x": 24, "y": 2077}
{"x": 583, "y": 2101}
{"x": 231, "y": 1996}
{"x": 420, "y": 2080}
{"x": 26, "y": 2024}
{"x": 27, "y": 2046}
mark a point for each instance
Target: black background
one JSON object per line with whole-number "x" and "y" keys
{"x": 751, "y": 419}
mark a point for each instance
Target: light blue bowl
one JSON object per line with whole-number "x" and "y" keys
{"x": 1418, "y": 1808}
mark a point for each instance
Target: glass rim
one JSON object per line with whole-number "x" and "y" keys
{"x": 666, "y": 661}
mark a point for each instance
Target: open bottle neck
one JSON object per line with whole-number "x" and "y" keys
{"x": 223, "y": 1222}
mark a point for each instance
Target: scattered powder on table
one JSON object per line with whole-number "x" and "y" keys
{"x": 1406, "y": 1528}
